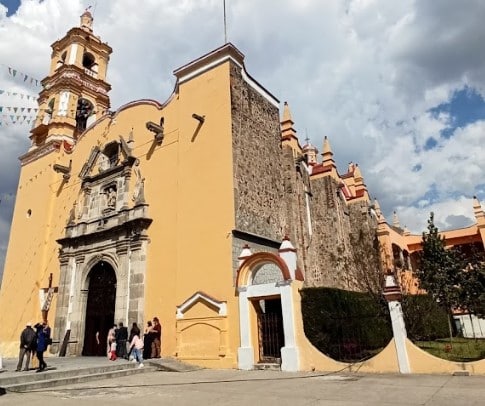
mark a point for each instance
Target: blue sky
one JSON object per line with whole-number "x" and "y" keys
{"x": 398, "y": 87}
{"x": 12, "y": 6}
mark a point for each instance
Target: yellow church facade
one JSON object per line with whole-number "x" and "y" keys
{"x": 128, "y": 215}
{"x": 204, "y": 210}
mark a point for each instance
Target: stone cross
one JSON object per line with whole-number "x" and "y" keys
{"x": 47, "y": 295}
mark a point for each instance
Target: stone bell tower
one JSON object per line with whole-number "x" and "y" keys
{"x": 75, "y": 92}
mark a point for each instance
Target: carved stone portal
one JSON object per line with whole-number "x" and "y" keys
{"x": 105, "y": 226}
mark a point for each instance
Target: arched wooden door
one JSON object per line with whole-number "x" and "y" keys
{"x": 100, "y": 308}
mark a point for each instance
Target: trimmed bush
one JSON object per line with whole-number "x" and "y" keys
{"x": 347, "y": 326}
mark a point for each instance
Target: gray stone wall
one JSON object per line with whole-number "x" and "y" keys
{"x": 238, "y": 245}
{"x": 258, "y": 180}
{"x": 329, "y": 255}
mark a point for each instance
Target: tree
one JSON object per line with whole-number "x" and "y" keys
{"x": 439, "y": 270}
{"x": 472, "y": 282}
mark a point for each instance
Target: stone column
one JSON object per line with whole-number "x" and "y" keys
{"x": 245, "y": 353}
{"x": 393, "y": 295}
{"x": 289, "y": 353}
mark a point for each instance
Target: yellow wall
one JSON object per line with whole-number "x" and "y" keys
{"x": 189, "y": 189}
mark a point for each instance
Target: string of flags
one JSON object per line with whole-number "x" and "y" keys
{"x": 18, "y": 94}
{"x": 8, "y": 109}
{"x": 22, "y": 76}
{"x": 9, "y": 119}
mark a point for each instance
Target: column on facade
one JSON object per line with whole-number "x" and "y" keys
{"x": 245, "y": 353}
{"x": 289, "y": 353}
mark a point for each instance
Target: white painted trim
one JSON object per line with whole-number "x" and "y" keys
{"x": 63, "y": 104}
{"x": 399, "y": 332}
{"x": 72, "y": 54}
{"x": 245, "y": 76}
{"x": 289, "y": 353}
{"x": 221, "y": 306}
{"x": 259, "y": 89}
{"x": 267, "y": 289}
{"x": 205, "y": 68}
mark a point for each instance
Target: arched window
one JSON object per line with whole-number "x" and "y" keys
{"x": 84, "y": 110}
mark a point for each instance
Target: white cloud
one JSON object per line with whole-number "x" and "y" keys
{"x": 363, "y": 72}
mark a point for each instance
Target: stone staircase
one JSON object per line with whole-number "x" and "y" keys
{"x": 267, "y": 366}
{"x": 79, "y": 372}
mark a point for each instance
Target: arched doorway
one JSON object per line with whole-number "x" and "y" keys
{"x": 266, "y": 320}
{"x": 100, "y": 307}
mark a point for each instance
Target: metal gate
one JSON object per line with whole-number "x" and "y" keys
{"x": 271, "y": 335}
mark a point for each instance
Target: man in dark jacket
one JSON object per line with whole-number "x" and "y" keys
{"x": 121, "y": 335}
{"x": 43, "y": 341}
{"x": 28, "y": 342}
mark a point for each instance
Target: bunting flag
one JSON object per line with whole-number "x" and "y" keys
{"x": 9, "y": 109}
{"x": 22, "y": 76}
{"x": 17, "y": 94}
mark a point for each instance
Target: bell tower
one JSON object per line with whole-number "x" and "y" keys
{"x": 75, "y": 92}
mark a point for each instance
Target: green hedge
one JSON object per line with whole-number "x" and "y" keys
{"x": 347, "y": 326}
{"x": 425, "y": 320}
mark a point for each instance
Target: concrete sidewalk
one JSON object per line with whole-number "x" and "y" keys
{"x": 232, "y": 387}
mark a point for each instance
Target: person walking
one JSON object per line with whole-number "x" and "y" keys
{"x": 43, "y": 341}
{"x": 111, "y": 343}
{"x": 135, "y": 331}
{"x": 147, "y": 340}
{"x": 28, "y": 343}
{"x": 136, "y": 348}
{"x": 157, "y": 338}
{"x": 121, "y": 337}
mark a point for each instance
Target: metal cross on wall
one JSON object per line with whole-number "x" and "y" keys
{"x": 46, "y": 296}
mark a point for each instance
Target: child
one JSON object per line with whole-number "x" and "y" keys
{"x": 112, "y": 351}
{"x": 136, "y": 348}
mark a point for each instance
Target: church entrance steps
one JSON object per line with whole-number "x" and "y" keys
{"x": 28, "y": 381}
{"x": 267, "y": 366}
{"x": 69, "y": 370}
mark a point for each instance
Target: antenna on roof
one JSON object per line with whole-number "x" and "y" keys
{"x": 225, "y": 22}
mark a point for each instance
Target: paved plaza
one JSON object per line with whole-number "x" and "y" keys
{"x": 233, "y": 387}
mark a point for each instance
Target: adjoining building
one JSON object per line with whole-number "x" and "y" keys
{"x": 204, "y": 211}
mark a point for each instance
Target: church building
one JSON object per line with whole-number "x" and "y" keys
{"x": 204, "y": 210}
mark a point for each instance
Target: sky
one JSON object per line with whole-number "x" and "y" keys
{"x": 397, "y": 87}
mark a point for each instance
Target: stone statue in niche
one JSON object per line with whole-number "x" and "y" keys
{"x": 139, "y": 192}
{"x": 111, "y": 197}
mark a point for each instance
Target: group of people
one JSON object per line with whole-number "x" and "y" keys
{"x": 34, "y": 341}
{"x": 121, "y": 345}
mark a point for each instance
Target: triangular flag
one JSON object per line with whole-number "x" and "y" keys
{"x": 14, "y": 72}
{"x": 15, "y": 109}
{"x": 25, "y": 78}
